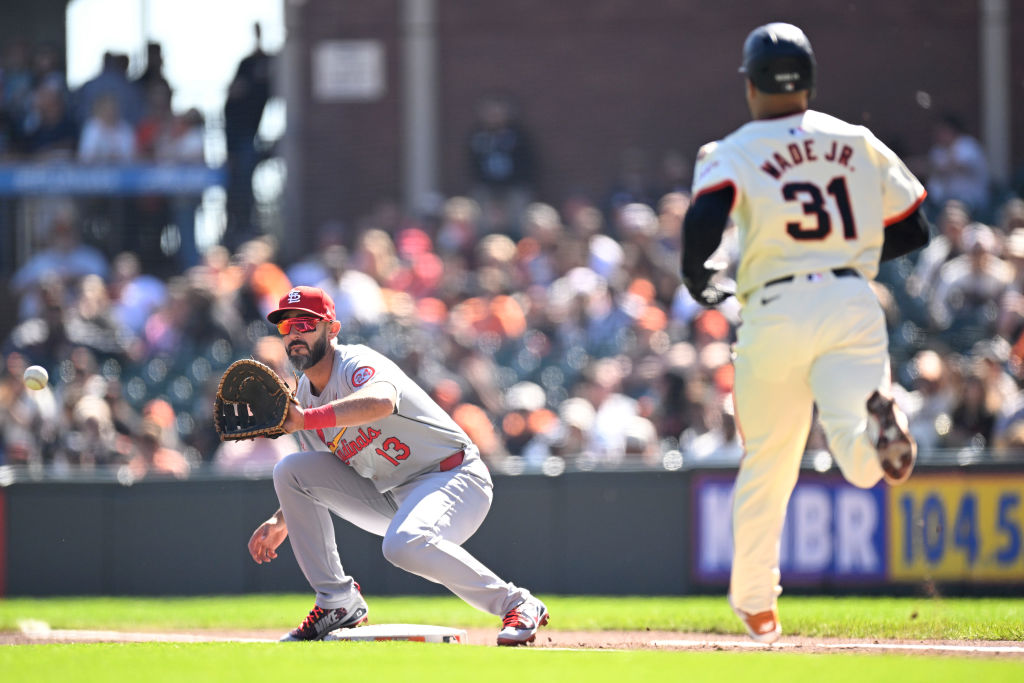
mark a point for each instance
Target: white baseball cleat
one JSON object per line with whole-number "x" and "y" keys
{"x": 522, "y": 621}
{"x": 764, "y": 627}
{"x": 887, "y": 429}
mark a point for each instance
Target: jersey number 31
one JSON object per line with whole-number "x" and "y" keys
{"x": 813, "y": 202}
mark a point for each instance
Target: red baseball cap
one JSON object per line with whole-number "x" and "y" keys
{"x": 312, "y": 300}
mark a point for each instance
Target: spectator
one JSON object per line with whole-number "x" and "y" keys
{"x": 107, "y": 138}
{"x": 48, "y": 68}
{"x": 17, "y": 78}
{"x": 964, "y": 304}
{"x": 632, "y": 183}
{"x": 375, "y": 255}
{"x": 66, "y": 259}
{"x": 675, "y": 174}
{"x": 154, "y": 128}
{"x": 929, "y": 403}
{"x": 947, "y": 245}
{"x": 49, "y": 131}
{"x": 957, "y": 167}
{"x": 721, "y": 443}
{"x": 91, "y": 321}
{"x": 153, "y": 74}
{"x": 460, "y": 226}
{"x": 474, "y": 420}
{"x": 125, "y": 419}
{"x": 92, "y": 439}
{"x": 263, "y": 281}
{"x": 153, "y": 459}
{"x": 573, "y": 439}
{"x": 111, "y": 81}
{"x": 501, "y": 162}
{"x": 150, "y": 213}
{"x": 1011, "y": 308}
{"x": 243, "y": 110}
{"x": 614, "y": 410}
{"x": 134, "y": 294}
{"x": 29, "y": 420}
{"x": 184, "y": 144}
{"x": 972, "y": 418}
{"x": 358, "y": 297}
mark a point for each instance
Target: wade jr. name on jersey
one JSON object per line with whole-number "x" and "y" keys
{"x": 797, "y": 153}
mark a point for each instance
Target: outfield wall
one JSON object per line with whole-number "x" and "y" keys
{"x": 597, "y": 533}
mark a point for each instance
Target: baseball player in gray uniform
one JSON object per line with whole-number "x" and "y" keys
{"x": 818, "y": 202}
{"x": 381, "y": 454}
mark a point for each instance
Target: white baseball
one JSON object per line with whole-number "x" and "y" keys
{"x": 36, "y": 377}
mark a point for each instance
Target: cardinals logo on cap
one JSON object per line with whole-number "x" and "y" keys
{"x": 294, "y": 296}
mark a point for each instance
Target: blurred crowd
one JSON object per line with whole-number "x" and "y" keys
{"x": 111, "y": 118}
{"x": 575, "y": 340}
{"x": 552, "y": 333}
{"x": 114, "y": 118}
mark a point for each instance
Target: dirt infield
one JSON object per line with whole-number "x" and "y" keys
{"x": 574, "y": 640}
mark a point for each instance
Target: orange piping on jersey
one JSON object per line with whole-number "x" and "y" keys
{"x": 721, "y": 186}
{"x": 908, "y": 212}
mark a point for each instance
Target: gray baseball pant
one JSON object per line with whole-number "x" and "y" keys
{"x": 424, "y": 523}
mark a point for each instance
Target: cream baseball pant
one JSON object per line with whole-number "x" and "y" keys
{"x": 424, "y": 523}
{"x": 814, "y": 339}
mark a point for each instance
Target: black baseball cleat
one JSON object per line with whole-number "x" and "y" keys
{"x": 887, "y": 427}
{"x": 319, "y": 622}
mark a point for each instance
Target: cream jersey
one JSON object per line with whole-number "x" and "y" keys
{"x": 812, "y": 193}
{"x": 392, "y": 450}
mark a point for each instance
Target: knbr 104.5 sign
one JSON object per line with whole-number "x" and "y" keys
{"x": 957, "y": 528}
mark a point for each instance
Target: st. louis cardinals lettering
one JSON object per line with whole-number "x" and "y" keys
{"x": 817, "y": 202}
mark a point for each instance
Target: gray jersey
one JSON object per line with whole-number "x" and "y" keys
{"x": 392, "y": 450}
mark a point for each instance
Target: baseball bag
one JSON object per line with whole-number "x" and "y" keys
{"x": 251, "y": 401}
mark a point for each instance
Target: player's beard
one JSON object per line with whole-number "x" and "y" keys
{"x": 301, "y": 361}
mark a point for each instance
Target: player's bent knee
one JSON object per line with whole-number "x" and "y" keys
{"x": 403, "y": 548}
{"x": 288, "y": 470}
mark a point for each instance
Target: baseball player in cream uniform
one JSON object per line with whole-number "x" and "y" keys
{"x": 381, "y": 454}
{"x": 818, "y": 202}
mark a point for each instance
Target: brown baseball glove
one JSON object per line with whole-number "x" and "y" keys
{"x": 251, "y": 401}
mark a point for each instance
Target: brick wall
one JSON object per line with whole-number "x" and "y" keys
{"x": 593, "y": 77}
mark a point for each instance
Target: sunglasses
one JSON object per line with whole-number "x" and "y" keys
{"x": 300, "y": 325}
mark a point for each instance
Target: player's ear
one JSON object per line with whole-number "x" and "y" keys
{"x": 335, "y": 328}
{"x": 751, "y": 90}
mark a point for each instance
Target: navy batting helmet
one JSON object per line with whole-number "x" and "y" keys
{"x": 777, "y": 58}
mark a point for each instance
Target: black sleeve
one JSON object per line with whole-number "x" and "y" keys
{"x": 703, "y": 226}
{"x": 905, "y": 236}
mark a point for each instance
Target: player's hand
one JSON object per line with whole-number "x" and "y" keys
{"x": 294, "y": 422}
{"x": 706, "y": 293}
{"x": 713, "y": 294}
{"x": 266, "y": 539}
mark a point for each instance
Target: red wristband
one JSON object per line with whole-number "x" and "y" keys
{"x": 319, "y": 418}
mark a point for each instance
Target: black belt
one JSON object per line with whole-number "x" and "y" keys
{"x": 838, "y": 272}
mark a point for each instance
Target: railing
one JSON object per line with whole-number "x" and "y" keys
{"x": 551, "y": 466}
{"x": 133, "y": 179}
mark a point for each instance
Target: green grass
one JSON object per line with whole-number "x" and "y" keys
{"x": 386, "y": 662}
{"x": 906, "y": 618}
